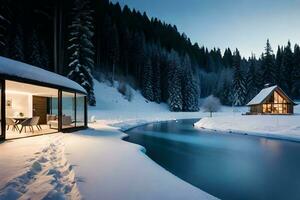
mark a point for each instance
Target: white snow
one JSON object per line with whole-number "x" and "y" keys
{"x": 276, "y": 126}
{"x": 36, "y": 168}
{"x": 97, "y": 164}
{"x": 94, "y": 163}
{"x": 14, "y": 68}
{"x": 262, "y": 95}
{"x": 110, "y": 168}
{"x": 114, "y": 110}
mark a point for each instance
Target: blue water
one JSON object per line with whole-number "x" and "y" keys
{"x": 228, "y": 166}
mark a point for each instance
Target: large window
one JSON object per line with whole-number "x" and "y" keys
{"x": 278, "y": 98}
{"x": 29, "y": 109}
{"x": 79, "y": 110}
{"x": 68, "y": 110}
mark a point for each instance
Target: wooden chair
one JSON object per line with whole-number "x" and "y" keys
{"x": 30, "y": 122}
{"x": 11, "y": 122}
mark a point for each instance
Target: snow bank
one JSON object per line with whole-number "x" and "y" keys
{"x": 277, "y": 126}
{"x": 110, "y": 168}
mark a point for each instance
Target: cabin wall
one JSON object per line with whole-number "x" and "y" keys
{"x": 256, "y": 109}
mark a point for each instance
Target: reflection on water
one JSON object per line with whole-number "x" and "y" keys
{"x": 227, "y": 166}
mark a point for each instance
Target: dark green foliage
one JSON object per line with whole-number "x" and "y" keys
{"x": 175, "y": 100}
{"x": 81, "y": 48}
{"x": 17, "y": 48}
{"x": 35, "y": 54}
{"x": 252, "y": 80}
{"x": 190, "y": 89}
{"x": 147, "y": 84}
{"x": 288, "y": 69}
{"x": 121, "y": 45}
{"x": 239, "y": 88}
{"x": 268, "y": 65}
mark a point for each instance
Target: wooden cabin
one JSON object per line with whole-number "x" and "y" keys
{"x": 271, "y": 100}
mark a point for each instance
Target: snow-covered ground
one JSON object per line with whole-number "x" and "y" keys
{"x": 36, "y": 168}
{"x": 276, "y": 126}
{"x": 97, "y": 164}
{"x": 94, "y": 163}
{"x": 110, "y": 168}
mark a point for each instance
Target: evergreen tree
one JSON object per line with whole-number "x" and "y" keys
{"x": 113, "y": 51}
{"x": 268, "y": 65}
{"x": 81, "y": 48}
{"x": 225, "y": 93}
{"x": 137, "y": 51}
{"x": 17, "y": 47}
{"x": 296, "y": 85}
{"x": 147, "y": 86}
{"x": 155, "y": 57}
{"x": 190, "y": 90}
{"x": 227, "y": 58}
{"x": 239, "y": 90}
{"x": 175, "y": 88}
{"x": 288, "y": 69}
{"x": 34, "y": 57}
{"x": 251, "y": 80}
{"x": 44, "y": 55}
{"x": 278, "y": 67}
{"x": 4, "y": 23}
{"x": 124, "y": 53}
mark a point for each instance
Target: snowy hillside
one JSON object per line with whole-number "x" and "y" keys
{"x": 113, "y": 109}
{"x": 108, "y": 98}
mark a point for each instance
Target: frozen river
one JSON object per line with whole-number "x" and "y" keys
{"x": 227, "y": 166}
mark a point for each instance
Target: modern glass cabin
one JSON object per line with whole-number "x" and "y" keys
{"x": 35, "y": 101}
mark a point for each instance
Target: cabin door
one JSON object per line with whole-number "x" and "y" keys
{"x": 40, "y": 108}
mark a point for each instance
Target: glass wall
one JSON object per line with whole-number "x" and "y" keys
{"x": 79, "y": 110}
{"x": 68, "y": 110}
{"x": 29, "y": 110}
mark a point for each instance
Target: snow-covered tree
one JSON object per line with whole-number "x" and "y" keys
{"x": 81, "y": 48}
{"x": 211, "y": 104}
{"x": 157, "y": 74}
{"x": 190, "y": 89}
{"x": 174, "y": 78}
{"x": 239, "y": 90}
{"x": 147, "y": 85}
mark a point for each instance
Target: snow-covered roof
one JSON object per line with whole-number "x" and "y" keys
{"x": 16, "y": 69}
{"x": 262, "y": 95}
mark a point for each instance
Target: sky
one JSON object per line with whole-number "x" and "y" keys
{"x": 242, "y": 24}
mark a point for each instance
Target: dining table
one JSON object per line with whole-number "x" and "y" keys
{"x": 19, "y": 120}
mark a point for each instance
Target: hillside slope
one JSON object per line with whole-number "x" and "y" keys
{"x": 113, "y": 109}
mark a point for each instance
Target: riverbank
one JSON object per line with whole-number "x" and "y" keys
{"x": 274, "y": 126}
{"x": 115, "y": 169}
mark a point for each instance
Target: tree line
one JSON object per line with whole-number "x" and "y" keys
{"x": 93, "y": 39}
